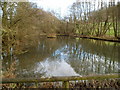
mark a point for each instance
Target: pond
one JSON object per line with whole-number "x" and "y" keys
{"x": 67, "y": 56}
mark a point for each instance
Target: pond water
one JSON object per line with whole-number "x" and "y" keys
{"x": 66, "y": 56}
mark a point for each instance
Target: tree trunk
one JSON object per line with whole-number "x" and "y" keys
{"x": 4, "y": 16}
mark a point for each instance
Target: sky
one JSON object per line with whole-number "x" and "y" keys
{"x": 59, "y": 6}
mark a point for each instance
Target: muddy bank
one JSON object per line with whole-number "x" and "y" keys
{"x": 112, "y": 39}
{"x": 103, "y": 38}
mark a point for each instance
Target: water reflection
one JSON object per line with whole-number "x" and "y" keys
{"x": 65, "y": 56}
{"x": 55, "y": 68}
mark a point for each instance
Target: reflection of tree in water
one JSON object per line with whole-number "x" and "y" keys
{"x": 44, "y": 49}
{"x": 85, "y": 56}
{"x": 103, "y": 48}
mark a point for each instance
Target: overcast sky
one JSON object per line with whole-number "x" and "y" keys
{"x": 61, "y": 6}
{"x": 56, "y": 5}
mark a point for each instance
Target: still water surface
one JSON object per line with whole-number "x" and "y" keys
{"x": 65, "y": 56}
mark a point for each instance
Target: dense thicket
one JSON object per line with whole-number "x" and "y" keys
{"x": 23, "y": 23}
{"x": 98, "y": 18}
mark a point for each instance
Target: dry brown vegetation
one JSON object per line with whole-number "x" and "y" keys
{"x": 93, "y": 84}
{"x": 9, "y": 73}
{"x": 24, "y": 23}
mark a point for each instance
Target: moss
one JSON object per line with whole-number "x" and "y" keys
{"x": 54, "y": 79}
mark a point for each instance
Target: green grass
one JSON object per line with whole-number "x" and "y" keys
{"x": 111, "y": 32}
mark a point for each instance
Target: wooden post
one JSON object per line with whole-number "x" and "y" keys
{"x": 36, "y": 84}
{"x": 65, "y": 84}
